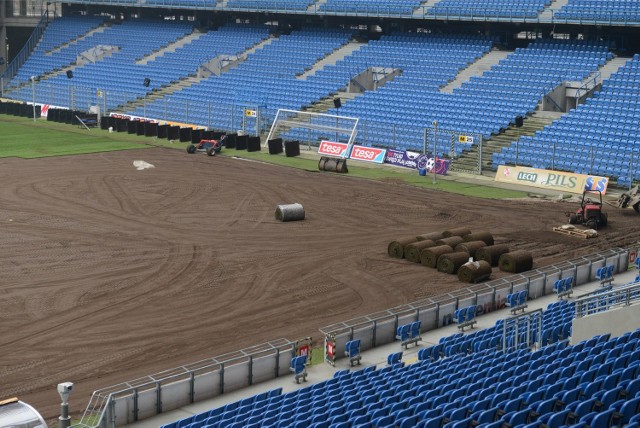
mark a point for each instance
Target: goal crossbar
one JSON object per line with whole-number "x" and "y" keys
{"x": 303, "y": 119}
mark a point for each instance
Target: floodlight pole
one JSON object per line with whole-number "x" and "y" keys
{"x": 435, "y": 135}
{"x": 33, "y": 96}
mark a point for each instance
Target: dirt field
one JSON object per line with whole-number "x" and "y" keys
{"x": 109, "y": 273}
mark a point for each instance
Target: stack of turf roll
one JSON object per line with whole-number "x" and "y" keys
{"x": 474, "y": 272}
{"x": 412, "y": 251}
{"x": 451, "y": 241}
{"x": 429, "y": 256}
{"x": 491, "y": 254}
{"x": 485, "y": 237}
{"x": 470, "y": 247}
{"x": 516, "y": 261}
{"x": 396, "y": 248}
{"x": 432, "y": 236}
{"x": 451, "y": 262}
{"x": 458, "y": 231}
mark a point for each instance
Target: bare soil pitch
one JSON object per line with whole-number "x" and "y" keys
{"x": 109, "y": 273}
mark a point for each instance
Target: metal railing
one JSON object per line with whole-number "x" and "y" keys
{"x": 587, "y": 86}
{"x": 604, "y": 301}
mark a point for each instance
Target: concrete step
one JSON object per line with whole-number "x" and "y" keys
{"x": 171, "y": 47}
{"x": 331, "y": 59}
{"x": 424, "y": 6}
{"x": 476, "y": 69}
{"x": 90, "y": 33}
{"x": 552, "y": 8}
{"x": 315, "y": 6}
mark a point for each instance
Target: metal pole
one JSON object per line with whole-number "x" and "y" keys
{"x": 630, "y": 170}
{"x": 144, "y": 106}
{"x": 209, "y": 115}
{"x": 553, "y": 157}
{"x": 435, "y": 138}
{"x": 65, "y": 420}
{"x": 33, "y": 96}
{"x": 517, "y": 147}
{"x": 424, "y": 141}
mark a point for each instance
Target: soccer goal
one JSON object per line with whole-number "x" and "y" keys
{"x": 314, "y": 127}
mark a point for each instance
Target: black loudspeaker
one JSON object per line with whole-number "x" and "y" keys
{"x": 185, "y": 134}
{"x": 132, "y": 126}
{"x": 292, "y": 148}
{"x": 163, "y": 131}
{"x": 253, "y": 144}
{"x": 140, "y": 127}
{"x": 275, "y": 146}
{"x": 337, "y": 103}
{"x": 230, "y": 142}
{"x": 197, "y": 135}
{"x": 146, "y": 82}
{"x": 69, "y": 74}
{"x": 173, "y": 133}
{"x": 150, "y": 129}
{"x": 241, "y": 142}
{"x": 519, "y": 121}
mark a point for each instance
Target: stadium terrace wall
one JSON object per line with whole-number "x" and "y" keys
{"x": 380, "y": 328}
{"x": 143, "y": 398}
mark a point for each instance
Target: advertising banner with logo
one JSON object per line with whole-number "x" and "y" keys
{"x": 331, "y": 148}
{"x": 368, "y": 154}
{"x": 416, "y": 160}
{"x": 553, "y": 180}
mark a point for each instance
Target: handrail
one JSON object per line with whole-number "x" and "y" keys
{"x": 25, "y": 52}
{"x": 591, "y": 83}
{"x": 621, "y": 296}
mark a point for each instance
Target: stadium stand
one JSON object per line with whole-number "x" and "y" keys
{"x": 489, "y": 8}
{"x": 595, "y": 138}
{"x": 379, "y": 7}
{"x": 270, "y": 4}
{"x": 625, "y": 11}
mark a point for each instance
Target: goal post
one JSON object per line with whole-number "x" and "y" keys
{"x": 319, "y": 126}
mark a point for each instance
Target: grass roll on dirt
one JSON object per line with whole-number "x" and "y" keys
{"x": 491, "y": 254}
{"x": 473, "y": 272}
{"x": 457, "y": 231}
{"x": 486, "y": 237}
{"x": 451, "y": 241}
{"x": 412, "y": 251}
{"x": 432, "y": 236}
{"x": 396, "y": 248}
{"x": 470, "y": 247}
{"x": 429, "y": 256}
{"x": 516, "y": 261}
{"x": 451, "y": 262}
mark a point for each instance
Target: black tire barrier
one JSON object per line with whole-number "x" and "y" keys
{"x": 216, "y": 135}
{"x": 185, "y": 135}
{"x": 163, "y": 131}
{"x": 132, "y": 126}
{"x": 121, "y": 125}
{"x": 254, "y": 144}
{"x": 140, "y": 127}
{"x": 173, "y": 133}
{"x": 516, "y": 262}
{"x": 52, "y": 115}
{"x": 451, "y": 262}
{"x": 396, "y": 248}
{"x": 290, "y": 212}
{"x": 104, "y": 122}
{"x": 292, "y": 148}
{"x": 197, "y": 135}
{"x": 150, "y": 129}
{"x": 491, "y": 254}
{"x": 3, "y": 107}
{"x": 457, "y": 231}
{"x": 26, "y": 110}
{"x": 429, "y": 256}
{"x": 241, "y": 142}
{"x": 474, "y": 272}
{"x": 275, "y": 146}
{"x": 70, "y": 117}
{"x": 230, "y": 142}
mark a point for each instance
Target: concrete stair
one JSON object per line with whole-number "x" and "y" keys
{"x": 99, "y": 29}
{"x": 315, "y": 6}
{"x": 476, "y": 69}
{"x": 612, "y": 66}
{"x": 331, "y": 59}
{"x": 555, "y": 5}
{"x": 171, "y": 47}
{"x": 424, "y": 6}
{"x": 468, "y": 162}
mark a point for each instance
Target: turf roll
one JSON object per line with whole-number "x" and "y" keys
{"x": 412, "y": 251}
{"x": 486, "y": 237}
{"x": 473, "y": 272}
{"x": 451, "y": 262}
{"x": 516, "y": 261}
{"x": 396, "y": 248}
{"x": 290, "y": 212}
{"x": 491, "y": 254}
{"x": 457, "y": 231}
{"x": 432, "y": 236}
{"x": 470, "y": 247}
{"x": 429, "y": 256}
{"x": 451, "y": 241}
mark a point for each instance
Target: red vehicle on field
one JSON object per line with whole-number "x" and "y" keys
{"x": 210, "y": 147}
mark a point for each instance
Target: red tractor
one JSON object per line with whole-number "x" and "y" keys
{"x": 590, "y": 213}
